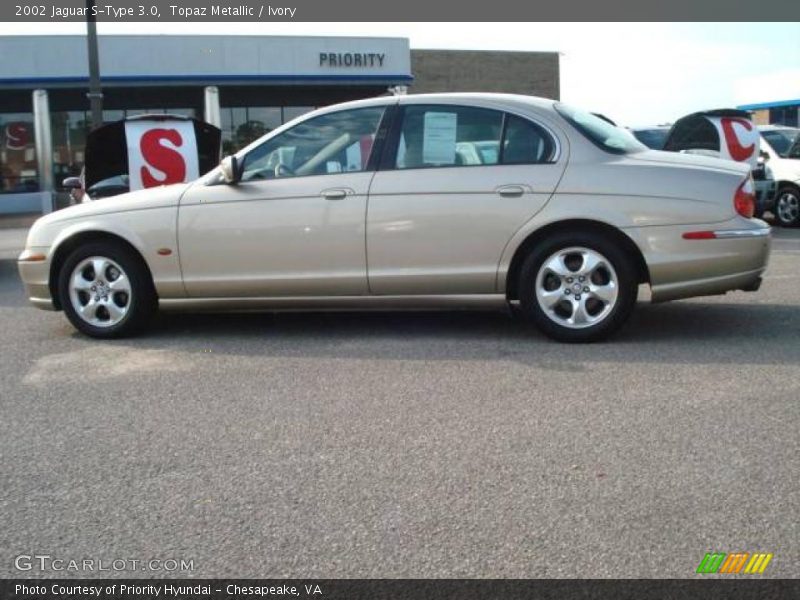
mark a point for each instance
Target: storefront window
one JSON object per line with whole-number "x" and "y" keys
{"x": 110, "y": 116}
{"x": 18, "y": 172}
{"x": 135, "y": 112}
{"x": 785, "y": 115}
{"x": 69, "y": 131}
{"x": 292, "y": 112}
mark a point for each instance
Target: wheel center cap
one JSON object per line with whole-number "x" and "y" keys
{"x": 576, "y": 287}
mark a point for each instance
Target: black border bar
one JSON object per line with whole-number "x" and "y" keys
{"x": 253, "y": 11}
{"x": 404, "y": 589}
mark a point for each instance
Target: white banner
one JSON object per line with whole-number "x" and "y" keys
{"x": 738, "y": 139}
{"x": 161, "y": 153}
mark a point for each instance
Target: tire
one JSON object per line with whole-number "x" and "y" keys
{"x": 117, "y": 303}
{"x": 556, "y": 266}
{"x": 787, "y": 206}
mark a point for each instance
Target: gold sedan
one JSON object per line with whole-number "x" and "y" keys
{"x": 413, "y": 201}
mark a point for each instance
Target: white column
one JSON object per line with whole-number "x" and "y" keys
{"x": 211, "y": 113}
{"x": 44, "y": 147}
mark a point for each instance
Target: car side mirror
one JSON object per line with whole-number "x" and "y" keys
{"x": 763, "y": 156}
{"x": 72, "y": 183}
{"x": 230, "y": 170}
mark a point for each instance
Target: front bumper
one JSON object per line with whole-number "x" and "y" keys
{"x": 734, "y": 259}
{"x": 35, "y": 276}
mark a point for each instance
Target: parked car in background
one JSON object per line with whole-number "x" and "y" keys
{"x": 728, "y": 134}
{"x": 113, "y": 186}
{"x": 149, "y": 149}
{"x": 457, "y": 200}
{"x": 652, "y": 137}
{"x": 782, "y": 147}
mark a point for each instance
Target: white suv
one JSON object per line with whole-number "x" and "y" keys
{"x": 782, "y": 145}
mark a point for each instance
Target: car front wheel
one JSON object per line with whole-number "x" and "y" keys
{"x": 106, "y": 290}
{"x": 577, "y": 287}
{"x": 787, "y": 206}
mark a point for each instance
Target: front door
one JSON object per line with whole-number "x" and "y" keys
{"x": 294, "y": 224}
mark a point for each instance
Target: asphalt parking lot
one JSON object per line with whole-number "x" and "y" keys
{"x": 407, "y": 445}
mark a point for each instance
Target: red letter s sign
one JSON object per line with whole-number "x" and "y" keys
{"x": 165, "y": 159}
{"x": 737, "y": 151}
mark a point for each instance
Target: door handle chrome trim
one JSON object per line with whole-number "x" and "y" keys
{"x": 510, "y": 191}
{"x": 336, "y": 193}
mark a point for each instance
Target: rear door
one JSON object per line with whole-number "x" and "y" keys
{"x": 455, "y": 184}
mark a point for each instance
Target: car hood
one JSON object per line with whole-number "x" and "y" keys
{"x": 107, "y": 147}
{"x": 691, "y": 160}
{"x": 157, "y": 197}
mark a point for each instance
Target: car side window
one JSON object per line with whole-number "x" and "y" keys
{"x": 333, "y": 143}
{"x": 442, "y": 135}
{"x": 779, "y": 143}
{"x": 525, "y": 143}
{"x": 695, "y": 133}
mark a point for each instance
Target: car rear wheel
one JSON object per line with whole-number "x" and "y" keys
{"x": 577, "y": 287}
{"x": 106, "y": 291}
{"x": 787, "y": 206}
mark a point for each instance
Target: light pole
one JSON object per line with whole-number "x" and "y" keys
{"x": 95, "y": 94}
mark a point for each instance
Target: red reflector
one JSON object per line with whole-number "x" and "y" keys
{"x": 699, "y": 235}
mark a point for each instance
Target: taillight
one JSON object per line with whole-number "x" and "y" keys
{"x": 744, "y": 200}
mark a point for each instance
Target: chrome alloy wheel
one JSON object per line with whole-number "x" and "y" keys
{"x": 577, "y": 287}
{"x": 788, "y": 207}
{"x": 100, "y": 291}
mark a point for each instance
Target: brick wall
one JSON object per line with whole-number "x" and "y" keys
{"x": 533, "y": 73}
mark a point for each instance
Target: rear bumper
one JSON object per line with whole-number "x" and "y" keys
{"x": 679, "y": 268}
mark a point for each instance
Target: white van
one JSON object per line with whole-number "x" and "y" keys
{"x": 782, "y": 146}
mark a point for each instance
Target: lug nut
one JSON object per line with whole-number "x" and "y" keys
{"x": 581, "y": 278}
{"x": 577, "y": 297}
{"x": 566, "y": 292}
{"x": 569, "y": 279}
{"x": 586, "y": 289}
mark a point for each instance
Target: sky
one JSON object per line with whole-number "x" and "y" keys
{"x": 636, "y": 73}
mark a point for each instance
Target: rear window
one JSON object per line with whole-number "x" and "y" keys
{"x": 600, "y": 132}
{"x": 652, "y": 138}
{"x": 693, "y": 133}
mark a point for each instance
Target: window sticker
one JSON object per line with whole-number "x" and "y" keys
{"x": 439, "y": 138}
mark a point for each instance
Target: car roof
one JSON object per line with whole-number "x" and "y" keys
{"x": 477, "y": 98}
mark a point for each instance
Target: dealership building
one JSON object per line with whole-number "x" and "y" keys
{"x": 779, "y": 112}
{"x": 246, "y": 85}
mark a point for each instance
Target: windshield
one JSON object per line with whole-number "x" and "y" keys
{"x": 783, "y": 141}
{"x": 600, "y": 132}
{"x": 652, "y": 138}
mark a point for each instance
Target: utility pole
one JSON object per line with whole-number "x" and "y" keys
{"x": 95, "y": 94}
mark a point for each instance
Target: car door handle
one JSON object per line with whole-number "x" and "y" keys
{"x": 511, "y": 191}
{"x": 336, "y": 193}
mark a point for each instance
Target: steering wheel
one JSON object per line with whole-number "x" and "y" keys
{"x": 282, "y": 170}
